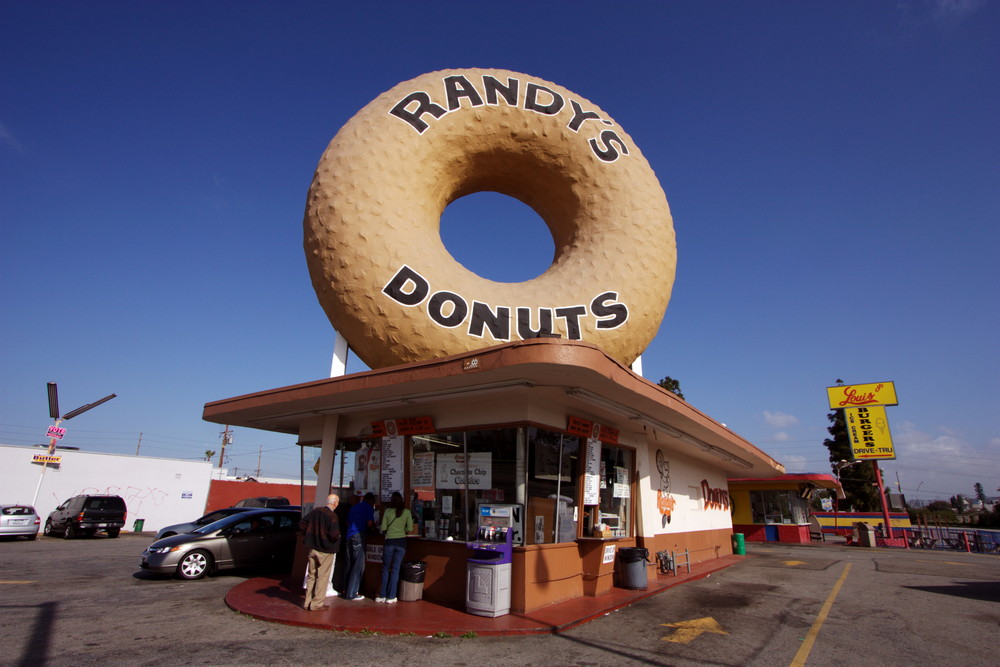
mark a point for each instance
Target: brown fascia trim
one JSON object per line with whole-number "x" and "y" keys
{"x": 536, "y": 351}
{"x": 553, "y": 351}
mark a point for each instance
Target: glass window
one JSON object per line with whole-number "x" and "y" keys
{"x": 453, "y": 474}
{"x": 778, "y": 507}
{"x": 614, "y": 509}
{"x": 553, "y": 473}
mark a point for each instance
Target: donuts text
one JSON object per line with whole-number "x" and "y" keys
{"x": 450, "y": 310}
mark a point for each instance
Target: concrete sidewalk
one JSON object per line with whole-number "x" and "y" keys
{"x": 267, "y": 599}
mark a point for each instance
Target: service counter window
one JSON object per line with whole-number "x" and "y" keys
{"x": 778, "y": 506}
{"x": 557, "y": 487}
{"x": 453, "y": 474}
{"x": 553, "y": 473}
{"x": 608, "y": 507}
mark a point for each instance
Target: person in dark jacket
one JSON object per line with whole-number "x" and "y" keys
{"x": 359, "y": 523}
{"x": 321, "y": 531}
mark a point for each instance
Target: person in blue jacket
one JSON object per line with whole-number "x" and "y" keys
{"x": 359, "y": 522}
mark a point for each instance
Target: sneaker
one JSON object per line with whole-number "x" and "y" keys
{"x": 356, "y": 598}
{"x": 391, "y": 601}
{"x": 379, "y": 599}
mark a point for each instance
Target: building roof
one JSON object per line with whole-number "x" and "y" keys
{"x": 815, "y": 480}
{"x": 569, "y": 374}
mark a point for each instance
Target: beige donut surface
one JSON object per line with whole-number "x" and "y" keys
{"x": 372, "y": 222}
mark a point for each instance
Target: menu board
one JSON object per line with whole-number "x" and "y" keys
{"x": 422, "y": 474}
{"x": 592, "y": 475}
{"x": 392, "y": 466}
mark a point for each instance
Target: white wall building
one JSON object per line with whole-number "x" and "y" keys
{"x": 159, "y": 491}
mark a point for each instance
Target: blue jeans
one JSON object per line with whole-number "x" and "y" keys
{"x": 355, "y": 564}
{"x": 392, "y": 560}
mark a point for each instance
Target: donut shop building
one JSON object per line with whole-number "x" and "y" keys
{"x": 581, "y": 456}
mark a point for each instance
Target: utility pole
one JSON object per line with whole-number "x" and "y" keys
{"x": 139, "y": 444}
{"x": 227, "y": 439}
{"x": 260, "y": 450}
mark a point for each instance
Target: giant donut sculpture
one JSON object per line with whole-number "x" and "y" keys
{"x": 372, "y": 222}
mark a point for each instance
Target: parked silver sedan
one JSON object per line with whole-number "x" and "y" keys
{"x": 19, "y": 521}
{"x": 259, "y": 537}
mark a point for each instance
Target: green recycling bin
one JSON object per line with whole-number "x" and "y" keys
{"x": 739, "y": 544}
{"x": 137, "y": 526}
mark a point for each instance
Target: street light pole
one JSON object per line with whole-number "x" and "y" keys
{"x": 885, "y": 504}
{"x": 53, "y": 392}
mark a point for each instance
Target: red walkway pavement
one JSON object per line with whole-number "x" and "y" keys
{"x": 267, "y": 599}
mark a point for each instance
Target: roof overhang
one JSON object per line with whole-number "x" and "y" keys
{"x": 569, "y": 374}
{"x": 800, "y": 481}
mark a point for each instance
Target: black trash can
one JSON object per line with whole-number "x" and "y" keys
{"x": 632, "y": 568}
{"x": 411, "y": 580}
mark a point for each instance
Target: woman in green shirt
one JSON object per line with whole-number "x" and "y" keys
{"x": 397, "y": 523}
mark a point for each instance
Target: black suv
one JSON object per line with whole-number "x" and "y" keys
{"x": 85, "y": 515}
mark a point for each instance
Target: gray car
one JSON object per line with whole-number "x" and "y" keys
{"x": 255, "y": 538}
{"x": 19, "y": 521}
{"x": 211, "y": 517}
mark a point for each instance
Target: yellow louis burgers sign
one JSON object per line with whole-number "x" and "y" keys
{"x": 869, "y": 432}
{"x": 857, "y": 395}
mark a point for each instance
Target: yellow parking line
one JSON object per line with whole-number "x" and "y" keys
{"x": 943, "y": 562}
{"x": 10, "y": 581}
{"x": 803, "y": 653}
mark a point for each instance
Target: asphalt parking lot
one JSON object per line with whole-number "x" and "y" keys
{"x": 86, "y": 602}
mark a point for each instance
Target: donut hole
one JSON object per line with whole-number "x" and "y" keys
{"x": 497, "y": 237}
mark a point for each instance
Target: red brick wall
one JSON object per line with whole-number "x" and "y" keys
{"x": 226, "y": 493}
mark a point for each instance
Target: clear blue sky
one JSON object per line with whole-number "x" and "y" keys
{"x": 833, "y": 170}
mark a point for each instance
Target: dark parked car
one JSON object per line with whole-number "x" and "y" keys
{"x": 85, "y": 515}
{"x": 19, "y": 521}
{"x": 263, "y": 501}
{"x": 257, "y": 537}
{"x": 211, "y": 517}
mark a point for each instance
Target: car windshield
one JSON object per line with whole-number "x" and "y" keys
{"x": 212, "y": 517}
{"x": 104, "y": 503}
{"x": 216, "y": 525}
{"x": 18, "y": 511}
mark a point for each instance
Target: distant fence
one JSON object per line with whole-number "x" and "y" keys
{"x": 907, "y": 535}
{"x": 954, "y": 539}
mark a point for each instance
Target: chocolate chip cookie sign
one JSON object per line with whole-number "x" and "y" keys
{"x": 372, "y": 222}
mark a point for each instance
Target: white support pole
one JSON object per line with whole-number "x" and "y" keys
{"x": 324, "y": 476}
{"x": 637, "y": 366}
{"x": 338, "y": 366}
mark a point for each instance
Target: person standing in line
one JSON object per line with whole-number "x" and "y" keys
{"x": 359, "y": 522}
{"x": 339, "y": 574}
{"x": 397, "y": 523}
{"x": 321, "y": 532}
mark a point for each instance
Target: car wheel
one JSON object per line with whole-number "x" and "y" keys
{"x": 47, "y": 530}
{"x": 194, "y": 565}
{"x": 33, "y": 537}
{"x": 69, "y": 532}
{"x": 113, "y": 532}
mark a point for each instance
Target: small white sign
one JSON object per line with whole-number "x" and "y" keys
{"x": 609, "y": 553}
